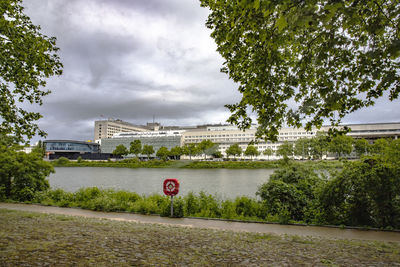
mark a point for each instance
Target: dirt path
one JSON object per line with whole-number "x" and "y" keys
{"x": 313, "y": 231}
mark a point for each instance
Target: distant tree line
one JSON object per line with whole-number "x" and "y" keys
{"x": 321, "y": 145}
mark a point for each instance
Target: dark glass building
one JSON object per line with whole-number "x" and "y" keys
{"x": 72, "y": 149}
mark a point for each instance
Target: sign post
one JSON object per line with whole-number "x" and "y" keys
{"x": 171, "y": 188}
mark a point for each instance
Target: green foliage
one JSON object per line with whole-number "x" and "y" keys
{"x": 268, "y": 152}
{"x": 341, "y": 145}
{"x": 120, "y": 150}
{"x": 79, "y": 159}
{"x": 190, "y": 150}
{"x": 62, "y": 161}
{"x": 330, "y": 57}
{"x": 191, "y": 205}
{"x": 251, "y": 151}
{"x": 207, "y": 147}
{"x": 178, "y": 204}
{"x": 285, "y": 150}
{"x": 163, "y": 153}
{"x": 27, "y": 59}
{"x": 21, "y": 174}
{"x": 148, "y": 150}
{"x": 234, "y": 150}
{"x": 366, "y": 192}
{"x": 217, "y": 155}
{"x": 135, "y": 147}
{"x": 39, "y": 149}
{"x": 319, "y": 145}
{"x": 302, "y": 148}
{"x": 291, "y": 190}
{"x": 361, "y": 147}
{"x": 379, "y": 146}
{"x": 176, "y": 152}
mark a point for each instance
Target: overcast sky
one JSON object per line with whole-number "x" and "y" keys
{"x": 135, "y": 59}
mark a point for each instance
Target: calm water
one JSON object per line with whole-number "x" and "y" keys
{"x": 225, "y": 183}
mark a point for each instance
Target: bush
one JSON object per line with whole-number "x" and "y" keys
{"x": 290, "y": 191}
{"x": 21, "y": 174}
{"x": 191, "y": 205}
{"x": 87, "y": 194}
{"x": 246, "y": 207}
{"x": 178, "y": 204}
{"x": 364, "y": 193}
{"x": 228, "y": 210}
{"x": 62, "y": 161}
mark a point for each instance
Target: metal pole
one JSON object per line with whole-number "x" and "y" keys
{"x": 172, "y": 206}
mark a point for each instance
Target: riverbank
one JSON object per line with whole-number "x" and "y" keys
{"x": 188, "y": 164}
{"x": 37, "y": 239}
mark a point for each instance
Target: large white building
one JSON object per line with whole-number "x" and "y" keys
{"x": 226, "y": 135}
{"x": 107, "y": 128}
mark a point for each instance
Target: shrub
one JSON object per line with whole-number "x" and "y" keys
{"x": 364, "y": 193}
{"x": 87, "y": 194}
{"x": 228, "y": 210}
{"x": 246, "y": 207}
{"x": 62, "y": 161}
{"x": 209, "y": 206}
{"x": 191, "y": 204}
{"x": 21, "y": 174}
{"x": 178, "y": 208}
{"x": 291, "y": 189}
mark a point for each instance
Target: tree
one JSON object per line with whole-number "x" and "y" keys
{"x": 251, "y": 151}
{"x": 120, "y": 150}
{"x": 176, "y": 152}
{"x": 217, "y": 154}
{"x": 21, "y": 174}
{"x": 341, "y": 145}
{"x": 148, "y": 150}
{"x": 365, "y": 192}
{"x": 268, "y": 152}
{"x": 27, "y": 58}
{"x": 136, "y": 147}
{"x": 189, "y": 150}
{"x": 361, "y": 147}
{"x": 302, "y": 147}
{"x": 40, "y": 148}
{"x": 290, "y": 189}
{"x": 207, "y": 147}
{"x": 234, "y": 150}
{"x": 319, "y": 145}
{"x": 163, "y": 153}
{"x": 330, "y": 57}
{"x": 379, "y": 146}
{"x": 285, "y": 150}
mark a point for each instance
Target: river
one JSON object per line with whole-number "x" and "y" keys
{"x": 225, "y": 183}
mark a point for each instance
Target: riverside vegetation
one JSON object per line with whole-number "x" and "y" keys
{"x": 155, "y": 163}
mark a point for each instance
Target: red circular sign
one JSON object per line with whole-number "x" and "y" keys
{"x": 171, "y": 187}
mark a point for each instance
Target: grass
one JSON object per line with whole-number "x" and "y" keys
{"x": 33, "y": 239}
{"x": 135, "y": 163}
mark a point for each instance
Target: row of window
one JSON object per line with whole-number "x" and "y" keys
{"x": 237, "y": 135}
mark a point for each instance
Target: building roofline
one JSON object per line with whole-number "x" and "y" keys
{"x": 72, "y": 141}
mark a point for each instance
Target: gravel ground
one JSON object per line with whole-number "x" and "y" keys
{"x": 34, "y": 239}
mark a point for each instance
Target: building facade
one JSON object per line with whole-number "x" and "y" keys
{"x": 226, "y": 135}
{"x": 72, "y": 149}
{"x": 157, "y": 139}
{"x": 107, "y": 128}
